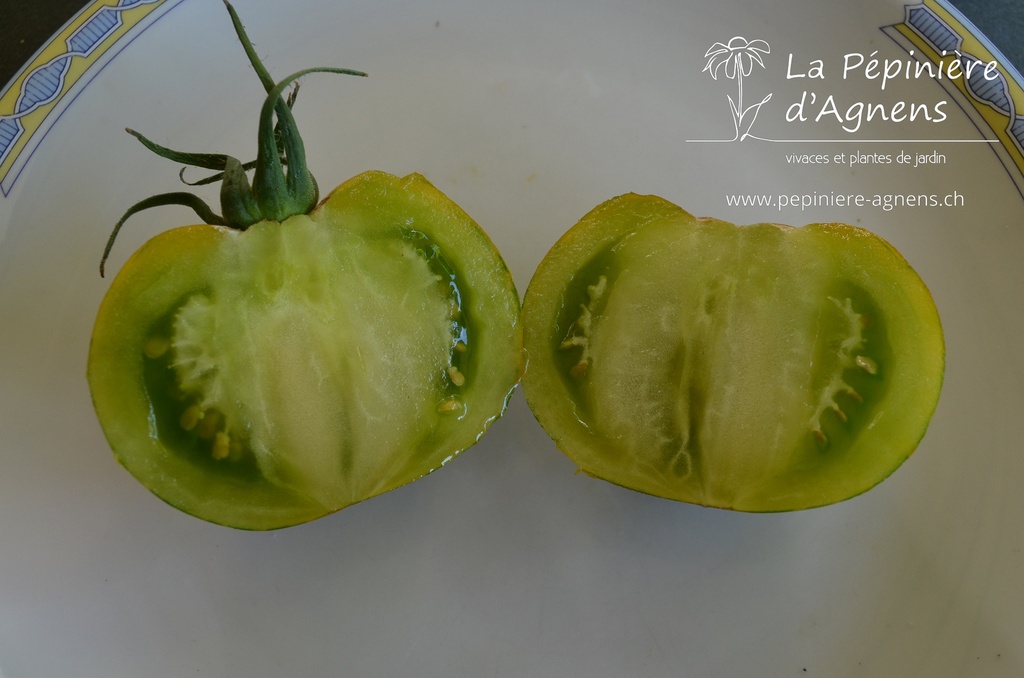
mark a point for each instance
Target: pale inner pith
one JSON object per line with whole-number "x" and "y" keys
{"x": 303, "y": 353}
{"x": 716, "y": 361}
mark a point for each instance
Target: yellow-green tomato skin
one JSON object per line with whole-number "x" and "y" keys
{"x": 755, "y": 368}
{"x": 267, "y": 377}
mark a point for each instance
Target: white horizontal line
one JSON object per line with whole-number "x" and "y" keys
{"x": 850, "y": 141}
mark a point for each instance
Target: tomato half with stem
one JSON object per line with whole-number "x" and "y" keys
{"x": 756, "y": 368}
{"x": 292, "y": 357}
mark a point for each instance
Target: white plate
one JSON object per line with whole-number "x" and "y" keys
{"x": 505, "y": 563}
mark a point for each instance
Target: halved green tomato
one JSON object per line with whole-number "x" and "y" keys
{"x": 266, "y": 377}
{"x": 757, "y": 368}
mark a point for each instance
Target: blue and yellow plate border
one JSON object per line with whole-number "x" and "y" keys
{"x": 34, "y": 99}
{"x": 935, "y": 31}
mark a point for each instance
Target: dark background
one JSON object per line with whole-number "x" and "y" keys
{"x": 26, "y": 24}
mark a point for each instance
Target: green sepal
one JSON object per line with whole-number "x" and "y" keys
{"x": 283, "y": 195}
{"x": 196, "y": 203}
{"x": 236, "y": 198}
{"x": 214, "y": 178}
{"x": 213, "y": 161}
{"x": 274, "y": 194}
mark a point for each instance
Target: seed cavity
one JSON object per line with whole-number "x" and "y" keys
{"x": 579, "y": 333}
{"x": 446, "y": 281}
{"x": 209, "y": 426}
{"x": 849, "y": 356}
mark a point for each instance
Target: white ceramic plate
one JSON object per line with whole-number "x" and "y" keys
{"x": 505, "y": 563}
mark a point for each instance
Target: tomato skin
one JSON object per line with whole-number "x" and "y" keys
{"x": 756, "y": 368}
{"x": 385, "y": 218}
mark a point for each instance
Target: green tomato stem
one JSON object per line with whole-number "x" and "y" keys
{"x": 275, "y": 194}
{"x": 279, "y": 195}
{"x": 250, "y": 51}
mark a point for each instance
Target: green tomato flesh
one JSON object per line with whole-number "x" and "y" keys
{"x": 756, "y": 368}
{"x": 265, "y": 378}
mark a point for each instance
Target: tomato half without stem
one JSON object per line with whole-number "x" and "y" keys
{"x": 291, "y": 357}
{"x": 755, "y": 368}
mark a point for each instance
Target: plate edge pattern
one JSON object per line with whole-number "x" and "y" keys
{"x": 28, "y": 104}
{"x": 934, "y": 30}
{"x": 35, "y": 97}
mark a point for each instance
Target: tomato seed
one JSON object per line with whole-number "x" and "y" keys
{"x": 190, "y": 417}
{"x": 221, "y": 445}
{"x": 457, "y": 377}
{"x": 866, "y": 364}
{"x": 449, "y": 405}
{"x": 156, "y": 346}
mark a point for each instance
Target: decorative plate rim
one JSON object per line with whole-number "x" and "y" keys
{"x": 34, "y": 99}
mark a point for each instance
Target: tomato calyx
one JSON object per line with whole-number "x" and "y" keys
{"x": 274, "y": 194}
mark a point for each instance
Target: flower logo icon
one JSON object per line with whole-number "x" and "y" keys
{"x": 736, "y": 59}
